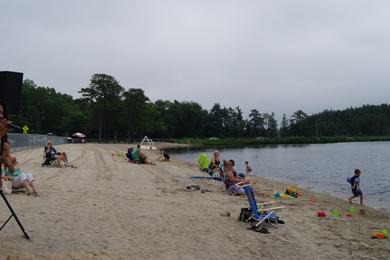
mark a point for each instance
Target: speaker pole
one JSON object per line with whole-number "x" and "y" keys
{"x": 12, "y": 215}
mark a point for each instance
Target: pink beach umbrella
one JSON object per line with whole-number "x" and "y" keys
{"x": 79, "y": 135}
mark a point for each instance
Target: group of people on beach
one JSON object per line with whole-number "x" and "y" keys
{"x": 224, "y": 170}
{"x": 10, "y": 170}
{"x": 227, "y": 173}
{"x": 231, "y": 178}
{"x": 136, "y": 155}
{"x": 23, "y": 181}
{"x": 9, "y": 163}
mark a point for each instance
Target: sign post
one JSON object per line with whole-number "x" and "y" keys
{"x": 25, "y": 129}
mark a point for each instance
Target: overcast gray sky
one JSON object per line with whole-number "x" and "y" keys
{"x": 276, "y": 56}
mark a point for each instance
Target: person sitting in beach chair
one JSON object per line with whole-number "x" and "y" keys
{"x": 52, "y": 155}
{"x": 215, "y": 164}
{"x": 241, "y": 175}
{"x": 231, "y": 178}
{"x": 49, "y": 158}
{"x": 203, "y": 164}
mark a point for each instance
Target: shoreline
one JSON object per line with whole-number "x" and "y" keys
{"x": 286, "y": 183}
{"x": 374, "y": 201}
{"x": 204, "y": 143}
{"x": 107, "y": 208}
{"x": 282, "y": 184}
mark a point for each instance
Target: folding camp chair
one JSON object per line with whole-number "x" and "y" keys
{"x": 231, "y": 188}
{"x": 48, "y": 160}
{"x": 224, "y": 178}
{"x": 203, "y": 164}
{"x": 255, "y": 216}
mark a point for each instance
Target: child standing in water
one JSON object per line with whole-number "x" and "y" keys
{"x": 248, "y": 169}
{"x": 355, "y": 186}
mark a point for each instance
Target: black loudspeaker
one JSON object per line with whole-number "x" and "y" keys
{"x": 10, "y": 90}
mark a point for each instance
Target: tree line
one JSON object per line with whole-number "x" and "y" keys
{"x": 106, "y": 110}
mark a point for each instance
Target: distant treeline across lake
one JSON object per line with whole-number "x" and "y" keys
{"x": 107, "y": 110}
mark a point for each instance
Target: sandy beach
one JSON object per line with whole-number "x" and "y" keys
{"x": 107, "y": 208}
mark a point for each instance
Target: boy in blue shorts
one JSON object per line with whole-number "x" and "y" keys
{"x": 355, "y": 186}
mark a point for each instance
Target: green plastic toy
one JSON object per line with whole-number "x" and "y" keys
{"x": 352, "y": 210}
{"x": 335, "y": 213}
{"x": 385, "y": 232}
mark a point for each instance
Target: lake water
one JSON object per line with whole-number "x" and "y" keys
{"x": 319, "y": 167}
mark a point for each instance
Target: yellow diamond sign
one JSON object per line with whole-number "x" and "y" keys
{"x": 25, "y": 129}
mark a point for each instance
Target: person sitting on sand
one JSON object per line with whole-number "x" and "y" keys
{"x": 232, "y": 179}
{"x": 129, "y": 155}
{"x": 163, "y": 156}
{"x": 140, "y": 157}
{"x": 20, "y": 179}
{"x": 59, "y": 156}
{"x": 355, "y": 186}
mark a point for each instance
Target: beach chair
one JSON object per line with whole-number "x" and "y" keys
{"x": 203, "y": 163}
{"x": 224, "y": 178}
{"x": 208, "y": 175}
{"x": 48, "y": 160}
{"x": 256, "y": 218}
{"x": 231, "y": 188}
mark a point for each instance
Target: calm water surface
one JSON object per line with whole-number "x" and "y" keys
{"x": 319, "y": 167}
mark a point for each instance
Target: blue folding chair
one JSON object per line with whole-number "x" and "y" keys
{"x": 253, "y": 206}
{"x": 256, "y": 217}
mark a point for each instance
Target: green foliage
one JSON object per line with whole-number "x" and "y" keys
{"x": 272, "y": 125}
{"x": 106, "y": 110}
{"x": 104, "y": 97}
{"x": 44, "y": 110}
{"x": 255, "y": 124}
{"x": 226, "y": 122}
{"x": 134, "y": 112}
{"x": 284, "y": 126}
{"x": 182, "y": 118}
{"x": 368, "y": 120}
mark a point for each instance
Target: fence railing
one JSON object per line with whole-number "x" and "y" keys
{"x": 20, "y": 142}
